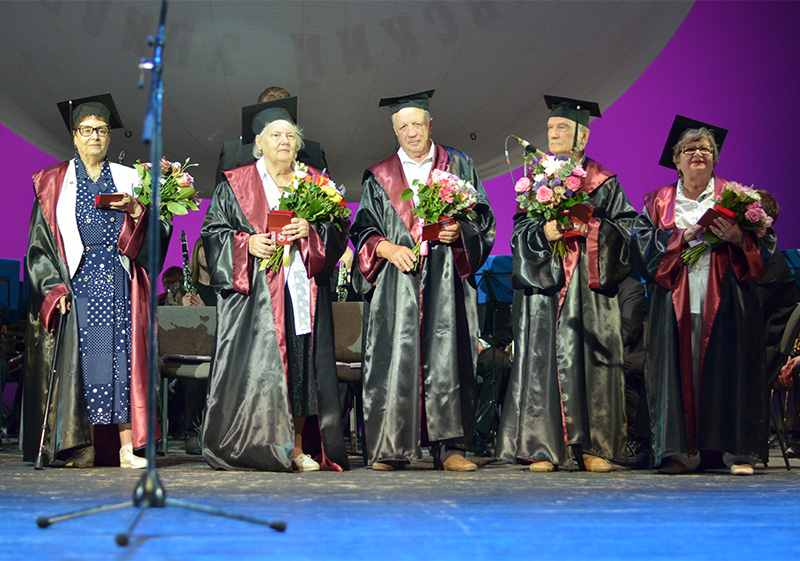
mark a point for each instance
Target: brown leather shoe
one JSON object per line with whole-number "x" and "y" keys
{"x": 81, "y": 458}
{"x": 458, "y": 463}
{"x": 542, "y": 466}
{"x": 596, "y": 465}
{"x": 389, "y": 465}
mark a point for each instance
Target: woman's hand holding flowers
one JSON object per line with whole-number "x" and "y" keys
{"x": 261, "y": 246}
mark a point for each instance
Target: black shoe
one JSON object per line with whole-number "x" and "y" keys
{"x": 793, "y": 450}
{"x": 192, "y": 445}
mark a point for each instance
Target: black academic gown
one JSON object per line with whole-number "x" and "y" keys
{"x": 728, "y": 412}
{"x": 67, "y": 421}
{"x": 420, "y": 342}
{"x": 248, "y": 422}
{"x": 567, "y": 382}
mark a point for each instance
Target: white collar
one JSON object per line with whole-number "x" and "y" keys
{"x": 406, "y": 159}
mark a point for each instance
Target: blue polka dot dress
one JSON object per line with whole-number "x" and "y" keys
{"x": 103, "y": 304}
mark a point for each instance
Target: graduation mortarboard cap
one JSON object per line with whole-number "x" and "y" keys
{"x": 73, "y": 110}
{"x": 256, "y": 117}
{"x": 680, "y": 125}
{"x": 572, "y": 109}
{"x": 420, "y": 100}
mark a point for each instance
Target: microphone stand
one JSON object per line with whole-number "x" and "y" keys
{"x": 149, "y": 492}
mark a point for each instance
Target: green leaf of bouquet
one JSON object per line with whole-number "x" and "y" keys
{"x": 407, "y": 195}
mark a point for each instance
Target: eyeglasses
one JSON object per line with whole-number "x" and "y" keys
{"x": 689, "y": 150}
{"x": 86, "y": 130}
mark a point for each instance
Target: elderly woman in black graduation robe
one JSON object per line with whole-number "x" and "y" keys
{"x": 250, "y": 422}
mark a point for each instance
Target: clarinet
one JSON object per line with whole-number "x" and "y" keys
{"x": 188, "y": 286}
{"x": 341, "y": 282}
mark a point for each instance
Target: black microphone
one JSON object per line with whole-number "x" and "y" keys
{"x": 528, "y": 147}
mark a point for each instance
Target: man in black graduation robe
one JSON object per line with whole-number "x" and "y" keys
{"x": 567, "y": 388}
{"x": 420, "y": 342}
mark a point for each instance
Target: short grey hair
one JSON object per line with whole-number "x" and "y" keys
{"x": 693, "y": 135}
{"x": 297, "y": 131}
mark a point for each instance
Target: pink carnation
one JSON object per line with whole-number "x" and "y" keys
{"x": 523, "y": 185}
{"x": 573, "y": 183}
{"x": 166, "y": 166}
{"x": 544, "y": 195}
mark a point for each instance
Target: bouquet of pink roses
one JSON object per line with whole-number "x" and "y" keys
{"x": 178, "y": 195}
{"x": 312, "y": 197}
{"x": 443, "y": 195}
{"x": 551, "y": 188}
{"x": 742, "y": 205}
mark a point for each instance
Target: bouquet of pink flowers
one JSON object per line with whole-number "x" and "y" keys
{"x": 178, "y": 195}
{"x": 443, "y": 195}
{"x": 313, "y": 198}
{"x": 742, "y": 205}
{"x": 551, "y": 188}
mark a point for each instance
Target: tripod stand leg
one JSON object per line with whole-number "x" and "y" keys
{"x": 123, "y": 538}
{"x": 45, "y": 521}
{"x": 278, "y": 525}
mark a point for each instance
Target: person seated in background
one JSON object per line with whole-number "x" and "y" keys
{"x": 168, "y": 280}
{"x": 189, "y": 396}
{"x": 235, "y": 153}
{"x": 778, "y": 294}
{"x": 633, "y": 311}
{"x": 494, "y": 366}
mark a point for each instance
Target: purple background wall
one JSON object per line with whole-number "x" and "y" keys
{"x": 726, "y": 65}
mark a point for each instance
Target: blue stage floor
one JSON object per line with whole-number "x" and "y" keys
{"x": 499, "y": 512}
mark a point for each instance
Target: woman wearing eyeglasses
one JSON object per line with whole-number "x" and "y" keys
{"x": 704, "y": 363}
{"x": 83, "y": 261}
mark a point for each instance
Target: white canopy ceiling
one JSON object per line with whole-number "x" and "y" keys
{"x": 489, "y": 61}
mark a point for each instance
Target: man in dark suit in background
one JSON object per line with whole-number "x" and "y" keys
{"x": 235, "y": 154}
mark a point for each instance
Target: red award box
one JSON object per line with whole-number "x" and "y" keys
{"x": 430, "y": 232}
{"x": 579, "y": 216}
{"x": 104, "y": 201}
{"x": 713, "y": 213}
{"x": 276, "y": 220}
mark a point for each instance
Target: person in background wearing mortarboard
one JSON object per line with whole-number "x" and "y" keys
{"x": 420, "y": 345}
{"x": 235, "y": 153}
{"x": 273, "y": 396}
{"x": 704, "y": 359}
{"x": 566, "y": 396}
{"x": 90, "y": 261}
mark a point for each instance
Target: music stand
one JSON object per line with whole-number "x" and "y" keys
{"x": 149, "y": 492}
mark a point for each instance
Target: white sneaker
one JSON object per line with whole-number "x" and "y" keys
{"x": 127, "y": 459}
{"x": 742, "y": 469}
{"x": 304, "y": 462}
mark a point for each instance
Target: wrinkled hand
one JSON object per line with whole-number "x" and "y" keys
{"x": 785, "y": 378}
{"x": 64, "y": 304}
{"x": 261, "y": 245}
{"x": 190, "y": 299}
{"x": 450, "y": 234}
{"x": 400, "y": 256}
{"x": 296, "y": 229}
{"x": 692, "y": 232}
{"x": 128, "y": 204}
{"x": 553, "y": 231}
{"x": 727, "y": 231}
